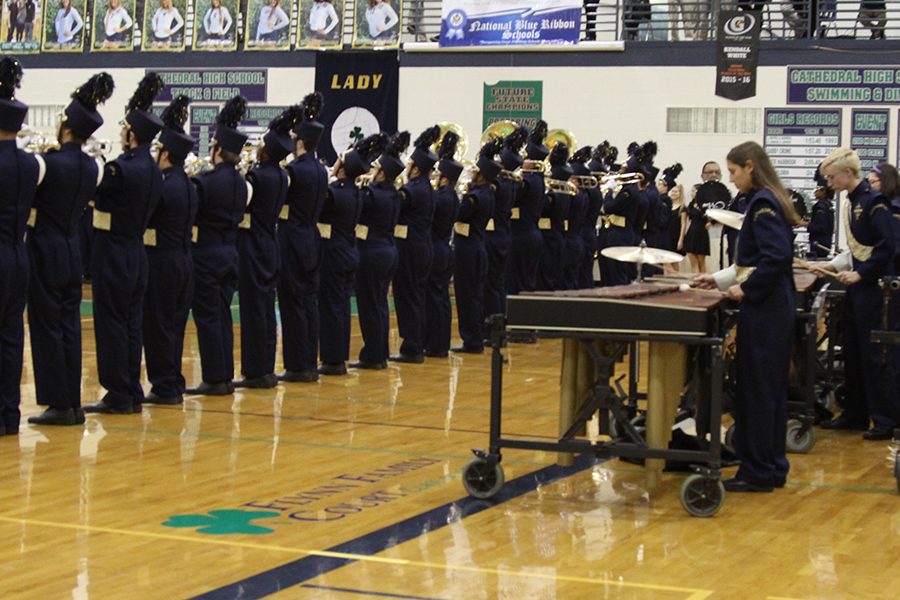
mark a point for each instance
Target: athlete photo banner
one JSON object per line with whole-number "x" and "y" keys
{"x": 63, "y": 26}
{"x": 738, "y": 53}
{"x": 509, "y": 22}
{"x": 361, "y": 91}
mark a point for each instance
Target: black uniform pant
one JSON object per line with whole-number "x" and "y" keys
{"x": 377, "y": 263}
{"x": 585, "y": 277}
{"x": 215, "y": 278}
{"x": 13, "y": 290}
{"x": 617, "y": 272}
{"x": 527, "y": 247}
{"x": 298, "y": 303}
{"x": 438, "y": 312}
{"x": 866, "y": 376}
{"x": 551, "y": 272}
{"x": 338, "y": 279}
{"x": 574, "y": 259}
{"x": 166, "y": 307}
{"x": 497, "y": 244}
{"x": 410, "y": 281}
{"x": 119, "y": 281}
{"x": 764, "y": 339}
{"x": 54, "y": 318}
{"x": 257, "y": 279}
{"x": 469, "y": 272}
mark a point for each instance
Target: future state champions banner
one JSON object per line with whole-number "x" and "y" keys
{"x": 509, "y": 22}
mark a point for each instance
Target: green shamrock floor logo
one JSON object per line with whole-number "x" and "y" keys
{"x": 224, "y": 522}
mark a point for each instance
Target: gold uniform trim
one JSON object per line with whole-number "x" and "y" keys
{"x": 742, "y": 274}
{"x": 490, "y": 225}
{"x": 613, "y": 221}
{"x": 362, "y": 232}
{"x": 32, "y": 217}
{"x": 324, "y": 230}
{"x": 195, "y": 233}
{"x": 860, "y": 251}
{"x": 544, "y": 223}
{"x": 285, "y": 212}
{"x": 461, "y": 228}
{"x": 401, "y": 231}
{"x": 516, "y": 213}
{"x": 246, "y": 222}
{"x": 150, "y": 237}
{"x": 102, "y": 220}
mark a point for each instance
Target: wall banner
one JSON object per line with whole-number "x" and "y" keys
{"x": 843, "y": 85}
{"x": 738, "y": 54}
{"x": 509, "y": 22}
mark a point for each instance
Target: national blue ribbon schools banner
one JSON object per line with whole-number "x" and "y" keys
{"x": 509, "y": 22}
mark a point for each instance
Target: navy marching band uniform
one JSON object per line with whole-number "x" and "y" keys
{"x": 551, "y": 275}
{"x": 619, "y": 210}
{"x": 527, "y": 242}
{"x": 438, "y": 311}
{"x": 821, "y": 221}
{"x": 589, "y": 226}
{"x": 223, "y": 195}
{"x": 378, "y": 256}
{"x": 576, "y": 251}
{"x": 54, "y": 291}
{"x": 867, "y": 221}
{"x": 258, "y": 261}
{"x": 127, "y": 196}
{"x": 22, "y": 173}
{"x": 301, "y": 252}
{"x": 470, "y": 268}
{"x": 764, "y": 332}
{"x": 415, "y": 251}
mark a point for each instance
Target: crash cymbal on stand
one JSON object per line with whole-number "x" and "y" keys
{"x": 729, "y": 218}
{"x": 641, "y": 254}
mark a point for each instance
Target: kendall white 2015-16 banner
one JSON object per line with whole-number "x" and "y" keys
{"x": 510, "y": 22}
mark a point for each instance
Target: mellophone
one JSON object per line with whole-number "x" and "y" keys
{"x": 599, "y": 326}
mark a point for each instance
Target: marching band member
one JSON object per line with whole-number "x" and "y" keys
{"x": 556, "y": 209}
{"x": 22, "y": 173}
{"x": 576, "y": 256}
{"x": 527, "y": 241}
{"x": 644, "y": 167}
{"x": 470, "y": 268}
{"x": 340, "y": 256}
{"x": 413, "y": 238}
{"x": 378, "y": 255}
{"x": 585, "y": 276}
{"x": 762, "y": 281}
{"x": 497, "y": 241}
{"x": 54, "y": 253}
{"x": 670, "y": 216}
{"x": 301, "y": 249}
{"x": 821, "y": 222}
{"x": 609, "y": 158}
{"x": 258, "y": 253}
{"x": 621, "y": 211}
{"x": 126, "y": 197}
{"x": 170, "y": 266}
{"x": 223, "y": 194}
{"x": 438, "y": 311}
{"x": 867, "y": 223}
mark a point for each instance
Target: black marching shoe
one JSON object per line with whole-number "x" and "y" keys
{"x": 308, "y": 376}
{"x": 431, "y": 354}
{"x": 55, "y": 416}
{"x": 415, "y": 359}
{"x": 371, "y": 366}
{"x": 843, "y": 423}
{"x": 2, "y": 428}
{"x": 333, "y": 369}
{"x": 223, "y": 388}
{"x": 79, "y": 416}
{"x": 105, "y": 409}
{"x": 170, "y": 400}
{"x": 468, "y": 349}
{"x": 877, "y": 434}
{"x": 263, "y": 382}
{"x": 739, "y": 485}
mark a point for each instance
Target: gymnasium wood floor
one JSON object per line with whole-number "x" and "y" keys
{"x": 350, "y": 487}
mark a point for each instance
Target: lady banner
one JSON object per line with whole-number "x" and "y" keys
{"x": 509, "y": 22}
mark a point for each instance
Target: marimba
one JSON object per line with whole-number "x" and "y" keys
{"x": 598, "y": 326}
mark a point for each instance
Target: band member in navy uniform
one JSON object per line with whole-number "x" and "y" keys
{"x": 576, "y": 256}
{"x": 762, "y": 281}
{"x": 258, "y": 261}
{"x": 595, "y": 168}
{"x": 223, "y": 195}
{"x": 438, "y": 311}
{"x": 821, "y": 222}
{"x": 645, "y": 168}
{"x": 340, "y": 256}
{"x": 167, "y": 241}
{"x": 301, "y": 249}
{"x": 497, "y": 237}
{"x": 125, "y": 199}
{"x": 22, "y": 173}
{"x": 413, "y": 237}
{"x": 527, "y": 242}
{"x": 556, "y": 209}
{"x": 470, "y": 268}
{"x": 610, "y": 167}
{"x": 664, "y": 187}
{"x": 867, "y": 223}
{"x": 378, "y": 254}
{"x": 621, "y": 217}
{"x": 54, "y": 253}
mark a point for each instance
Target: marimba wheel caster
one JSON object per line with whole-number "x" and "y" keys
{"x": 483, "y": 479}
{"x": 702, "y": 496}
{"x": 799, "y": 441}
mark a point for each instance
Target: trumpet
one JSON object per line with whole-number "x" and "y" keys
{"x": 194, "y": 165}
{"x": 35, "y": 142}
{"x": 97, "y": 148}
{"x": 534, "y": 166}
{"x": 622, "y": 178}
{"x": 561, "y": 187}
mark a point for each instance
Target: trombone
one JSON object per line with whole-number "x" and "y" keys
{"x": 621, "y": 178}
